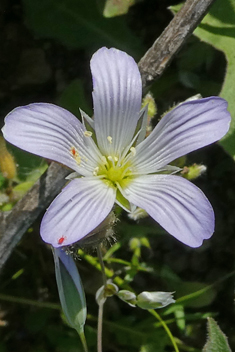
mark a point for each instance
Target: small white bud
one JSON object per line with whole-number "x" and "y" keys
{"x": 153, "y": 300}
{"x": 128, "y": 297}
{"x": 137, "y": 213}
{"x": 103, "y": 292}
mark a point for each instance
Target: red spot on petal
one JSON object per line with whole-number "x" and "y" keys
{"x": 61, "y": 240}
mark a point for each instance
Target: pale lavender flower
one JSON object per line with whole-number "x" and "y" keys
{"x": 118, "y": 165}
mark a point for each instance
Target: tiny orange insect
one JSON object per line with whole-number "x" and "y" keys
{"x": 61, "y": 240}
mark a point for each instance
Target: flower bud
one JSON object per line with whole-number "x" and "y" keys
{"x": 153, "y": 300}
{"x": 71, "y": 293}
{"x": 137, "y": 213}
{"x": 7, "y": 162}
{"x": 128, "y": 297}
{"x": 105, "y": 291}
{"x": 193, "y": 171}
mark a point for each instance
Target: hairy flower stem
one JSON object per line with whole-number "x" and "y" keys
{"x": 101, "y": 305}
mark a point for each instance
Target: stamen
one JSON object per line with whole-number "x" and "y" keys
{"x": 126, "y": 150}
{"x": 110, "y": 158}
{"x": 110, "y": 139}
{"x": 87, "y": 133}
{"x": 95, "y": 172}
{"x": 133, "y": 151}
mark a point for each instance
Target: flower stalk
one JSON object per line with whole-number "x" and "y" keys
{"x": 101, "y": 303}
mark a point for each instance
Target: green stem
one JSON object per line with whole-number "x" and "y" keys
{"x": 83, "y": 341}
{"x": 171, "y": 337}
{"x": 99, "y": 328}
{"x": 101, "y": 305}
{"x": 29, "y": 302}
{"x": 99, "y": 254}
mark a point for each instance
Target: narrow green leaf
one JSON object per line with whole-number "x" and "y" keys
{"x": 217, "y": 341}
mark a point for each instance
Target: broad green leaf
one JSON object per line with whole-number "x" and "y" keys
{"x": 217, "y": 341}
{"x": 78, "y": 24}
{"x": 73, "y": 98}
{"x": 218, "y": 29}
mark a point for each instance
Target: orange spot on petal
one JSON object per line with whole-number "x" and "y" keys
{"x": 73, "y": 151}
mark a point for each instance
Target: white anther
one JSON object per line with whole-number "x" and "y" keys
{"x": 133, "y": 151}
{"x": 87, "y": 133}
{"x": 95, "y": 171}
{"x": 110, "y": 139}
{"x": 103, "y": 158}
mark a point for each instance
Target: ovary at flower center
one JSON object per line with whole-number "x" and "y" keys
{"x": 115, "y": 172}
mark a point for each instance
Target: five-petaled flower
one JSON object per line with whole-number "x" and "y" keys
{"x": 112, "y": 160}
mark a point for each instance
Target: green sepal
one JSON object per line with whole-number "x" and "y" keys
{"x": 71, "y": 293}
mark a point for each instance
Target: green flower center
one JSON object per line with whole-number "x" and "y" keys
{"x": 115, "y": 172}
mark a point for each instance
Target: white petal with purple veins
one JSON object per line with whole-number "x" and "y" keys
{"x": 176, "y": 204}
{"x": 117, "y": 91}
{"x": 54, "y": 133}
{"x": 76, "y": 211}
{"x": 190, "y": 126}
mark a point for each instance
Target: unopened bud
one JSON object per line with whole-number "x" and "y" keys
{"x": 7, "y": 162}
{"x": 194, "y": 171}
{"x": 108, "y": 290}
{"x": 128, "y": 297}
{"x": 71, "y": 293}
{"x": 152, "y": 110}
{"x": 153, "y": 300}
{"x": 137, "y": 213}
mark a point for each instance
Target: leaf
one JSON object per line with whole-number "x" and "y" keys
{"x": 217, "y": 341}
{"x": 73, "y": 98}
{"x": 218, "y": 29}
{"x": 116, "y": 7}
{"x": 194, "y": 294}
{"x": 78, "y": 24}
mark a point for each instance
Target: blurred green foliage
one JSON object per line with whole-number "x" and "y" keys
{"x": 79, "y": 24}
{"x": 218, "y": 29}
